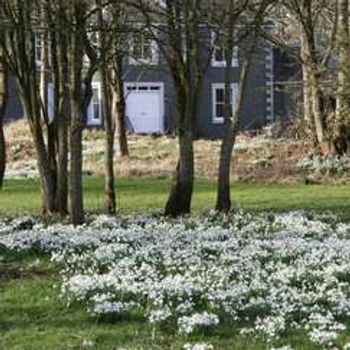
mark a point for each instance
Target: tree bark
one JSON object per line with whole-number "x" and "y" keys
{"x": 119, "y": 106}
{"x": 75, "y": 176}
{"x": 109, "y": 197}
{"x": 341, "y": 141}
{"x": 317, "y": 110}
{"x": 180, "y": 197}
{"x": 231, "y": 124}
{"x": 3, "y": 100}
{"x": 307, "y": 90}
{"x": 62, "y": 128}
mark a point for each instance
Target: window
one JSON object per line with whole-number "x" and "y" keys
{"x": 218, "y": 101}
{"x": 94, "y": 116}
{"x": 218, "y": 52}
{"x": 143, "y": 49}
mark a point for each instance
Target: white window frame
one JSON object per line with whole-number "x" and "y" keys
{"x": 221, "y": 86}
{"x": 90, "y": 117}
{"x": 147, "y": 87}
{"x": 153, "y": 61}
{"x": 222, "y": 64}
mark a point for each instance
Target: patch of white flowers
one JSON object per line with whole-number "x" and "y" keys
{"x": 266, "y": 273}
{"x": 326, "y": 165}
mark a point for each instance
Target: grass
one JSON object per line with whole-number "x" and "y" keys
{"x": 33, "y": 317}
{"x": 144, "y": 194}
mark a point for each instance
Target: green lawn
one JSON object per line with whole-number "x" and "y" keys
{"x": 139, "y": 195}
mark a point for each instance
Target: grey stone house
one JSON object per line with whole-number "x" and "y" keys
{"x": 150, "y": 98}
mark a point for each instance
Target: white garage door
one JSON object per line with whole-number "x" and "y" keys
{"x": 145, "y": 107}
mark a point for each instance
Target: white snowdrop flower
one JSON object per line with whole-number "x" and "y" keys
{"x": 198, "y": 346}
{"x": 159, "y": 315}
{"x": 87, "y": 343}
{"x": 187, "y": 324}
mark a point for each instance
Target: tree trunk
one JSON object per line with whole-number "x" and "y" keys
{"x": 109, "y": 200}
{"x": 31, "y": 102}
{"x": 341, "y": 132}
{"x": 223, "y": 202}
{"x": 62, "y": 128}
{"x": 317, "y": 110}
{"x": 119, "y": 106}
{"x": 3, "y": 100}
{"x": 307, "y": 91}
{"x": 180, "y": 198}
{"x": 76, "y": 160}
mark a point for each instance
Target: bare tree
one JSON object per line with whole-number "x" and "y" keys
{"x": 236, "y": 23}
{"x": 312, "y": 24}
{"x": 81, "y": 73}
{"x": 19, "y": 44}
{"x": 177, "y": 27}
{"x": 59, "y": 34}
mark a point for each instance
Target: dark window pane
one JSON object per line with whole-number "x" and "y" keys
{"x": 96, "y": 112}
{"x": 219, "y": 110}
{"x": 219, "y": 95}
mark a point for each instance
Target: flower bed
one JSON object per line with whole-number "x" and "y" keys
{"x": 265, "y": 273}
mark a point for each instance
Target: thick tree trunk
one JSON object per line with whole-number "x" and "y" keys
{"x": 180, "y": 198}
{"x": 341, "y": 137}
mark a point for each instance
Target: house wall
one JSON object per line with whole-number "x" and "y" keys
{"x": 254, "y": 106}
{"x": 14, "y": 110}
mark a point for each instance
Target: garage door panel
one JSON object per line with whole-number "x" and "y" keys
{"x": 144, "y": 107}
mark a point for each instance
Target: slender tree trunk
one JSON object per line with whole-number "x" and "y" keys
{"x": 45, "y": 108}
{"x": 76, "y": 56}
{"x": 31, "y": 102}
{"x": 223, "y": 202}
{"x": 62, "y": 125}
{"x": 316, "y": 109}
{"x": 119, "y": 106}
{"x": 75, "y": 176}
{"x": 307, "y": 90}
{"x": 3, "y": 100}
{"x": 109, "y": 201}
